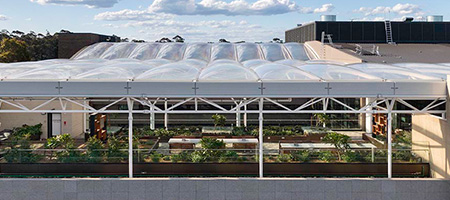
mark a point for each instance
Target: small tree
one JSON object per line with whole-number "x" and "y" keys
{"x": 178, "y": 38}
{"x": 219, "y": 120}
{"x": 339, "y": 141}
{"x": 322, "y": 119}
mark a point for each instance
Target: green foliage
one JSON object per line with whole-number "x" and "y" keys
{"x": 115, "y": 151}
{"x": 403, "y": 155}
{"x": 352, "y": 156}
{"x": 302, "y": 156}
{"x": 278, "y": 130}
{"x": 240, "y": 131}
{"x": 94, "y": 151}
{"x": 13, "y": 50}
{"x": 322, "y": 119}
{"x": 229, "y": 156}
{"x": 38, "y": 46}
{"x": 339, "y": 141}
{"x": 155, "y": 157}
{"x": 64, "y": 141}
{"x": 28, "y": 130}
{"x": 219, "y": 120}
{"x": 326, "y": 156}
{"x": 161, "y": 132}
{"x": 183, "y": 156}
{"x": 199, "y": 157}
{"x": 68, "y": 153}
{"x": 284, "y": 158}
{"x": 20, "y": 151}
{"x": 404, "y": 137}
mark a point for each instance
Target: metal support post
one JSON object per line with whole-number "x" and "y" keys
{"x": 166, "y": 116}
{"x": 152, "y": 118}
{"x": 130, "y": 137}
{"x": 389, "y": 139}
{"x": 245, "y": 112}
{"x": 369, "y": 116}
{"x": 261, "y": 142}
{"x": 238, "y": 117}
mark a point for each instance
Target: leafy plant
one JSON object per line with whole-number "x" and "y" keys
{"x": 94, "y": 148}
{"x": 25, "y": 130}
{"x": 326, "y": 156}
{"x": 115, "y": 151}
{"x": 229, "y": 156}
{"x": 322, "y": 119}
{"x": 302, "y": 156}
{"x": 284, "y": 158}
{"x": 340, "y": 142}
{"x": 67, "y": 144}
{"x": 20, "y": 151}
{"x": 219, "y": 120}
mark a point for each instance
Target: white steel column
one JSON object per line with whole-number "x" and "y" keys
{"x": 245, "y": 112}
{"x": 130, "y": 137}
{"x": 389, "y": 139}
{"x": 261, "y": 142}
{"x": 369, "y": 116}
{"x": 152, "y": 118}
{"x": 166, "y": 116}
{"x": 238, "y": 117}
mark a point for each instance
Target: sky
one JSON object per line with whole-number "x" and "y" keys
{"x": 200, "y": 20}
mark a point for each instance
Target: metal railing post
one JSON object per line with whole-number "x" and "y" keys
{"x": 389, "y": 139}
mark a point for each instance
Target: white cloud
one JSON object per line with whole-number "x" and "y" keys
{"x": 88, "y": 3}
{"x": 138, "y": 15}
{"x": 398, "y": 9}
{"x": 216, "y": 7}
{"x": 325, "y": 8}
{"x": 3, "y": 18}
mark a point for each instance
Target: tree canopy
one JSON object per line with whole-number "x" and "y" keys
{"x": 37, "y": 45}
{"x": 13, "y": 50}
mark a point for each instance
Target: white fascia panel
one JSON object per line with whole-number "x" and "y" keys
{"x": 161, "y": 89}
{"x": 74, "y": 88}
{"x": 356, "y": 89}
{"x": 298, "y": 89}
{"x": 26, "y": 88}
{"x": 234, "y": 89}
{"x": 417, "y": 88}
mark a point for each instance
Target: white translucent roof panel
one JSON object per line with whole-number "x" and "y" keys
{"x": 390, "y": 72}
{"x": 335, "y": 72}
{"x": 119, "y": 50}
{"x": 180, "y": 71}
{"x": 93, "y": 51}
{"x": 145, "y": 51}
{"x": 280, "y": 72}
{"x": 331, "y": 62}
{"x": 273, "y": 51}
{"x": 223, "y": 51}
{"x": 296, "y": 51}
{"x": 157, "y": 62}
{"x": 227, "y": 72}
{"x": 171, "y": 51}
{"x": 200, "y": 51}
{"x": 291, "y": 62}
{"x": 253, "y": 63}
{"x": 107, "y": 73}
{"x": 57, "y": 71}
{"x": 434, "y": 70}
{"x": 135, "y": 68}
{"x": 21, "y": 67}
{"x": 248, "y": 51}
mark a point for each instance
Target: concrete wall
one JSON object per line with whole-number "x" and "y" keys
{"x": 225, "y": 188}
{"x": 326, "y": 52}
{"x": 73, "y": 125}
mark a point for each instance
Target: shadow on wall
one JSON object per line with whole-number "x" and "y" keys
{"x": 431, "y": 133}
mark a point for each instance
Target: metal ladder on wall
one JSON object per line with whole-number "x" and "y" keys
{"x": 388, "y": 28}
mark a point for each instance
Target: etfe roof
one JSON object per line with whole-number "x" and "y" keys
{"x": 221, "y": 69}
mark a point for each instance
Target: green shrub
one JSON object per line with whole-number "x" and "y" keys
{"x": 155, "y": 157}
{"x": 403, "y": 155}
{"x": 326, "y": 156}
{"x": 302, "y": 156}
{"x": 198, "y": 157}
{"x": 219, "y": 120}
{"x": 116, "y": 151}
{"x": 340, "y": 142}
{"x": 28, "y": 130}
{"x": 229, "y": 156}
{"x": 284, "y": 158}
{"x": 94, "y": 151}
{"x": 166, "y": 158}
{"x": 68, "y": 153}
{"x": 20, "y": 151}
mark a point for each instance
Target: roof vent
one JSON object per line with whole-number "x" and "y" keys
{"x": 408, "y": 19}
{"x": 435, "y": 18}
{"x": 328, "y": 18}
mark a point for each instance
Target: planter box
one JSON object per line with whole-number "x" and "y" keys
{"x": 216, "y": 169}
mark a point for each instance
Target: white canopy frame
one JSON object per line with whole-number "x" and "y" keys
{"x": 381, "y": 105}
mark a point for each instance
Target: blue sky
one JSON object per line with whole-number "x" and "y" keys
{"x": 199, "y": 20}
